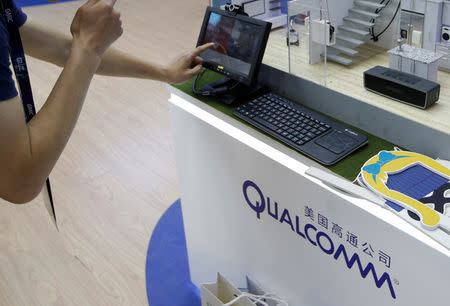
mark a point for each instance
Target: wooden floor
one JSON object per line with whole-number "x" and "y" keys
{"x": 113, "y": 181}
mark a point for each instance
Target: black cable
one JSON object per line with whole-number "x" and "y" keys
{"x": 375, "y": 38}
{"x": 234, "y": 86}
{"x": 371, "y": 30}
{"x": 382, "y": 8}
{"x": 208, "y": 93}
{"x": 194, "y": 84}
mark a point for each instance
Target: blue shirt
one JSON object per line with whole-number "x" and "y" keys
{"x": 7, "y": 86}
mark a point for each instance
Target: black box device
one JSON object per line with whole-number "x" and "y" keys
{"x": 401, "y": 86}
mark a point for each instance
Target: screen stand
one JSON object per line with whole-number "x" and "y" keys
{"x": 229, "y": 91}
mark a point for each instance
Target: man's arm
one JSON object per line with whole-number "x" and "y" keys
{"x": 45, "y": 44}
{"x": 28, "y": 152}
{"x": 54, "y": 47}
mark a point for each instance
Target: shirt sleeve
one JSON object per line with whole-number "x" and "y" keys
{"x": 7, "y": 86}
{"x": 19, "y": 15}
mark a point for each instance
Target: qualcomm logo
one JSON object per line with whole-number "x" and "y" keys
{"x": 311, "y": 233}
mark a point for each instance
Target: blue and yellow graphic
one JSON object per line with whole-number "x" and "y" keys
{"x": 384, "y": 174}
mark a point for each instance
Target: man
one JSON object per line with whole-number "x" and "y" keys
{"x": 28, "y": 152}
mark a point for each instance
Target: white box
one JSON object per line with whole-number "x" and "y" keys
{"x": 320, "y": 32}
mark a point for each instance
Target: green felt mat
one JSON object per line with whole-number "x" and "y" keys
{"x": 348, "y": 168}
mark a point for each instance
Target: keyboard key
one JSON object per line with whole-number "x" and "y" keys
{"x": 265, "y": 123}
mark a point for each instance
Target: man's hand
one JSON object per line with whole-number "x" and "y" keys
{"x": 186, "y": 65}
{"x": 96, "y": 26}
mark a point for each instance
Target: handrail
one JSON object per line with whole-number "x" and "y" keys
{"x": 371, "y": 30}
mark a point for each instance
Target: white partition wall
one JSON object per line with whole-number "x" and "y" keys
{"x": 249, "y": 209}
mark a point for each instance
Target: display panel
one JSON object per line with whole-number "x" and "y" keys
{"x": 239, "y": 44}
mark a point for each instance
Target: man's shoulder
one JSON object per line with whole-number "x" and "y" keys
{"x": 7, "y": 85}
{"x": 19, "y": 16}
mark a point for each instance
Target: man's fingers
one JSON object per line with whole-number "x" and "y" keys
{"x": 91, "y": 2}
{"x": 201, "y": 48}
{"x": 194, "y": 71}
{"x": 198, "y": 60}
{"x": 110, "y": 2}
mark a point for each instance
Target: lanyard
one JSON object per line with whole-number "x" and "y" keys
{"x": 21, "y": 71}
{"x": 18, "y": 60}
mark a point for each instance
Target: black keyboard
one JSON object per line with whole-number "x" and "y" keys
{"x": 320, "y": 138}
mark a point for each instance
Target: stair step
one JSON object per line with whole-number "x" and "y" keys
{"x": 372, "y": 5}
{"x": 351, "y": 40}
{"x": 355, "y": 31}
{"x": 359, "y": 21}
{"x": 339, "y": 59}
{"x": 364, "y": 13}
{"x": 344, "y": 50}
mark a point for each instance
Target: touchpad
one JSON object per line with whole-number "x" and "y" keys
{"x": 336, "y": 141}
